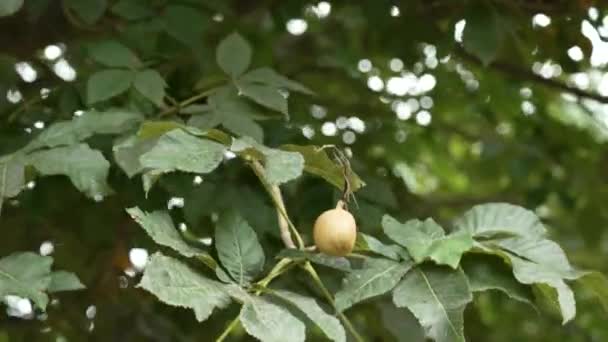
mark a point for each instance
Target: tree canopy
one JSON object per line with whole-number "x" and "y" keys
{"x": 162, "y": 164}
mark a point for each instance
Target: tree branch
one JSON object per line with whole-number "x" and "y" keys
{"x": 284, "y": 223}
{"x": 527, "y": 75}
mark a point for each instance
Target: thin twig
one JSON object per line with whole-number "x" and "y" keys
{"x": 315, "y": 277}
{"x": 285, "y": 223}
{"x": 186, "y": 102}
{"x": 228, "y": 330}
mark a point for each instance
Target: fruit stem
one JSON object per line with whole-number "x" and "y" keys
{"x": 228, "y": 329}
{"x": 315, "y": 277}
{"x": 341, "y": 205}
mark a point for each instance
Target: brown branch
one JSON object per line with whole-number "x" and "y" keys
{"x": 527, "y": 75}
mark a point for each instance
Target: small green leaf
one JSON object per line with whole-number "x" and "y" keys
{"x": 113, "y": 54}
{"x": 543, "y": 275}
{"x": 487, "y": 272}
{"x": 89, "y": 11}
{"x": 597, "y": 283}
{"x": 238, "y": 248}
{"x": 106, "y": 84}
{"x": 87, "y": 168}
{"x": 160, "y": 227}
{"x": 132, "y": 9}
{"x": 151, "y": 85}
{"x": 234, "y": 113}
{"x": 370, "y": 243}
{"x": 377, "y": 277}
{"x": 178, "y": 150}
{"x": 427, "y": 240}
{"x": 243, "y": 126}
{"x": 271, "y": 78}
{"x": 155, "y": 129}
{"x": 26, "y": 275}
{"x": 149, "y": 178}
{"x": 329, "y": 324}
{"x": 269, "y": 322}
{"x": 437, "y": 296}
{"x": 233, "y": 55}
{"x": 12, "y": 178}
{"x": 338, "y": 263}
{"x": 205, "y": 121}
{"x": 483, "y": 34}
{"x": 185, "y": 24}
{"x": 492, "y": 219}
{"x": 10, "y": 7}
{"x": 519, "y": 236}
{"x": 64, "y": 281}
{"x": 264, "y": 95}
{"x": 127, "y": 152}
{"x": 280, "y": 166}
{"x": 177, "y": 284}
{"x": 559, "y": 296}
{"x": 195, "y": 109}
{"x": 71, "y": 132}
{"x": 318, "y": 163}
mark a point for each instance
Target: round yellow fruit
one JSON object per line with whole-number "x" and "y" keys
{"x": 335, "y": 231}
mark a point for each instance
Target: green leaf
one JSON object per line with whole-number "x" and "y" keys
{"x": 547, "y": 254}
{"x": 496, "y": 219}
{"x": 238, "y": 248}
{"x": 10, "y": 7}
{"x": 528, "y": 272}
{"x": 71, "y": 132}
{"x": 559, "y": 296}
{"x": 266, "y": 96}
{"x": 279, "y": 166}
{"x": 159, "y": 226}
{"x": 26, "y": 275}
{"x": 233, "y": 55}
{"x": 151, "y": 85}
{"x": 185, "y": 24}
{"x": 427, "y": 240}
{"x": 106, "y": 84}
{"x": 87, "y": 168}
{"x": 155, "y": 129}
{"x": 243, "y": 126}
{"x": 377, "y": 277}
{"x": 597, "y": 283}
{"x": 271, "y": 78}
{"x": 437, "y": 296}
{"x": 178, "y": 150}
{"x": 519, "y": 236}
{"x": 127, "y": 152}
{"x": 195, "y": 109}
{"x": 329, "y": 324}
{"x": 234, "y": 113}
{"x": 89, "y": 11}
{"x": 370, "y": 243}
{"x": 132, "y": 9}
{"x": 483, "y": 33}
{"x": 177, "y": 284}
{"x": 318, "y": 163}
{"x": 64, "y": 281}
{"x": 269, "y": 322}
{"x": 113, "y": 54}
{"x": 487, "y": 272}
{"x": 205, "y": 121}
{"x": 338, "y": 263}
{"x": 12, "y": 178}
